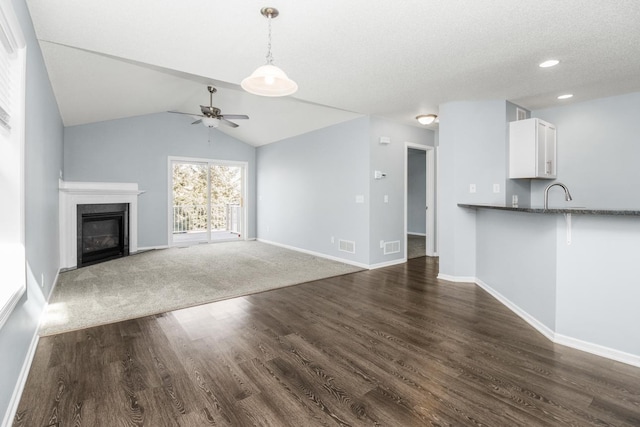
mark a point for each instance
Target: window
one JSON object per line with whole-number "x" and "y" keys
{"x": 12, "y": 85}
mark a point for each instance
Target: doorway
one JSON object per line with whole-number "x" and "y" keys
{"x": 206, "y": 201}
{"x": 420, "y": 209}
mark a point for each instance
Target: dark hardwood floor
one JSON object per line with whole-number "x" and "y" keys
{"x": 390, "y": 347}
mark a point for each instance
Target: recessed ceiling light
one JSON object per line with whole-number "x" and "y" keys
{"x": 565, "y": 96}
{"x": 549, "y": 63}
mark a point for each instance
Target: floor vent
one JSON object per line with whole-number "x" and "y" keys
{"x": 392, "y": 247}
{"x": 347, "y": 246}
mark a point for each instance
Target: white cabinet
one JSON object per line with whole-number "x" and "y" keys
{"x": 532, "y": 149}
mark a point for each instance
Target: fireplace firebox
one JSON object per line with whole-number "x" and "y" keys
{"x": 103, "y": 232}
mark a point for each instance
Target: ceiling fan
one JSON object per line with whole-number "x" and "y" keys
{"x": 211, "y": 116}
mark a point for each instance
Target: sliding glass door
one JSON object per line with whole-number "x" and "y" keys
{"x": 206, "y": 201}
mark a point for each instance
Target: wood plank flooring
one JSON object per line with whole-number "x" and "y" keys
{"x": 388, "y": 347}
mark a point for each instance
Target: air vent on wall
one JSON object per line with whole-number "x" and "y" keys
{"x": 391, "y": 247}
{"x": 347, "y": 246}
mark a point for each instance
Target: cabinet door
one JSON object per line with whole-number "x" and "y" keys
{"x": 541, "y": 155}
{"x": 550, "y": 151}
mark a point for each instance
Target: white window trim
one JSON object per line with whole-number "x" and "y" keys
{"x": 12, "y": 238}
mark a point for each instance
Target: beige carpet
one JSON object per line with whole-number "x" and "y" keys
{"x": 168, "y": 279}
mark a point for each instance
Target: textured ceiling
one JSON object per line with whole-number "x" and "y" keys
{"x": 117, "y": 58}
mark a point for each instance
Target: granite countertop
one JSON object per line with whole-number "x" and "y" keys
{"x": 576, "y": 210}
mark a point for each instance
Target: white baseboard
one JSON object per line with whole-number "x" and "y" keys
{"x": 588, "y": 347}
{"x": 416, "y": 234}
{"x": 598, "y": 350}
{"x": 387, "y": 263}
{"x": 22, "y": 380}
{"x": 535, "y": 323}
{"x": 318, "y": 254}
{"x": 459, "y": 279}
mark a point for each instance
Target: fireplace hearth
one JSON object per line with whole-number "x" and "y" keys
{"x": 103, "y": 232}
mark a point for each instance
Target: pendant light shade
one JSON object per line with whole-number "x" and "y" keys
{"x": 269, "y": 80}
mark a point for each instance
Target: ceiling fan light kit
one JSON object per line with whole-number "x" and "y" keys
{"x": 210, "y": 122}
{"x": 269, "y": 80}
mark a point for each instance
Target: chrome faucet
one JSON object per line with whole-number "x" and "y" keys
{"x": 567, "y": 195}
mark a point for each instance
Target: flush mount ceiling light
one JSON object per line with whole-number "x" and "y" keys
{"x": 566, "y": 96}
{"x": 549, "y": 63}
{"x": 269, "y": 80}
{"x": 426, "y": 119}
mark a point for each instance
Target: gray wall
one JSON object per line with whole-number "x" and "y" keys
{"x": 598, "y": 152}
{"x": 136, "y": 150}
{"x": 43, "y": 158}
{"x": 471, "y": 150}
{"x": 307, "y": 187}
{"x": 417, "y": 192}
{"x": 516, "y": 256}
{"x": 518, "y": 187}
{"x": 598, "y": 292}
{"x": 387, "y": 219}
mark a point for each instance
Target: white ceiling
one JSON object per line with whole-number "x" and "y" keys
{"x": 121, "y": 58}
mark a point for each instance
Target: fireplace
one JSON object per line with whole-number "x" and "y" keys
{"x": 103, "y": 232}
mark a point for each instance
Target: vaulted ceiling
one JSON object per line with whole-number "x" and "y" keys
{"x": 122, "y": 58}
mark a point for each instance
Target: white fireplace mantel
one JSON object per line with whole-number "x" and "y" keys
{"x": 73, "y": 194}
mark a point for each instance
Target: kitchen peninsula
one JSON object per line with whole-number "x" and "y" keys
{"x": 573, "y": 277}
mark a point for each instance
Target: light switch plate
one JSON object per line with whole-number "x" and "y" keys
{"x": 496, "y": 188}
{"x": 472, "y": 188}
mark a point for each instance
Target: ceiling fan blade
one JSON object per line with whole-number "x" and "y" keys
{"x": 197, "y": 121}
{"x": 234, "y": 116}
{"x": 180, "y": 112}
{"x": 228, "y": 123}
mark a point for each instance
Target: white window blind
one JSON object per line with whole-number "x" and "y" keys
{"x": 6, "y": 65}
{"x": 10, "y": 40}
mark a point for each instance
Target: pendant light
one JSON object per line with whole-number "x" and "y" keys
{"x": 269, "y": 80}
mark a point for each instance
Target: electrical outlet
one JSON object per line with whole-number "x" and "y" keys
{"x": 472, "y": 188}
{"x": 496, "y": 188}
{"x": 386, "y": 198}
{"x": 333, "y": 239}
{"x": 381, "y": 244}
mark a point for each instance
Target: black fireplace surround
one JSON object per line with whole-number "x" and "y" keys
{"x": 103, "y": 232}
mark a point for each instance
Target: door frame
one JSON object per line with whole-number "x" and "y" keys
{"x": 430, "y": 164}
{"x": 244, "y": 192}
